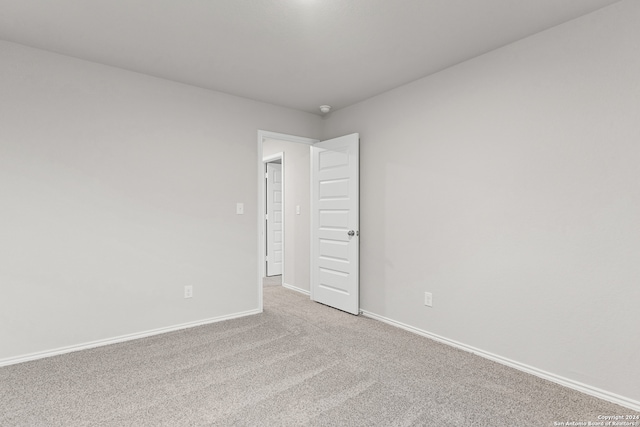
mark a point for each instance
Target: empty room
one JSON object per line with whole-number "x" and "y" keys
{"x": 320, "y": 212}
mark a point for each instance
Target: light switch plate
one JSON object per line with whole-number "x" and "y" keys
{"x": 240, "y": 208}
{"x": 297, "y": 209}
{"x": 428, "y": 299}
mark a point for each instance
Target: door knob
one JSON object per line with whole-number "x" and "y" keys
{"x": 351, "y": 233}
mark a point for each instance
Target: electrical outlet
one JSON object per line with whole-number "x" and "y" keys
{"x": 188, "y": 291}
{"x": 428, "y": 299}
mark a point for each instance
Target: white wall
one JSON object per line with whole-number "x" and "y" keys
{"x": 508, "y": 186}
{"x": 297, "y": 227}
{"x": 116, "y": 190}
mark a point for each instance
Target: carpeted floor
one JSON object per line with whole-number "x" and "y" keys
{"x": 298, "y": 363}
{"x": 272, "y": 281}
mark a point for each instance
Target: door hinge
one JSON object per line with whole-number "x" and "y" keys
{"x": 266, "y": 175}
{"x": 266, "y": 216}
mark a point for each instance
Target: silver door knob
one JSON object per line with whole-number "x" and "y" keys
{"x": 351, "y": 233}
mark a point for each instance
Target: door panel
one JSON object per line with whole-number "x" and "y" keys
{"x": 274, "y": 219}
{"x": 334, "y": 214}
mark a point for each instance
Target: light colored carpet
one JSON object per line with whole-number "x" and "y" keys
{"x": 272, "y": 281}
{"x": 298, "y": 363}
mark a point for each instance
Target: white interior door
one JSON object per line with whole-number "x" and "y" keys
{"x": 274, "y": 219}
{"x": 335, "y": 223}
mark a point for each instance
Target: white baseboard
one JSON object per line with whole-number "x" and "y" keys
{"x": 119, "y": 339}
{"x": 295, "y": 288}
{"x": 575, "y": 385}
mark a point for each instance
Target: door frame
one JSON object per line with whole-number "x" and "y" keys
{"x": 262, "y": 136}
{"x": 265, "y": 160}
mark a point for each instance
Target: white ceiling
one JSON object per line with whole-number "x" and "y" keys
{"x": 294, "y": 53}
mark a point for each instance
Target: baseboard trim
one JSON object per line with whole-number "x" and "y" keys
{"x": 566, "y": 382}
{"x": 295, "y": 288}
{"x": 122, "y": 338}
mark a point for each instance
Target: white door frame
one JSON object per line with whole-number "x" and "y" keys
{"x": 265, "y": 160}
{"x": 262, "y": 136}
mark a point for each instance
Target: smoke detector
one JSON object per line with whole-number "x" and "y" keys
{"x": 324, "y": 109}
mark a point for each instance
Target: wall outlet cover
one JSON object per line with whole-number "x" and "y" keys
{"x": 428, "y": 299}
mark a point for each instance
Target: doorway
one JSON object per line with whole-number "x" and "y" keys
{"x": 320, "y": 217}
{"x": 293, "y": 153}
